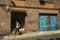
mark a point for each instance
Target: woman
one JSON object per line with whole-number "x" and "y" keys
{"x": 17, "y": 27}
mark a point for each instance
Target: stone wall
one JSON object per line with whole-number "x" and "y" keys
{"x": 32, "y": 3}
{"x": 58, "y": 21}
{"x": 31, "y": 21}
{"x": 6, "y": 2}
{"x": 4, "y": 21}
{"x": 57, "y": 4}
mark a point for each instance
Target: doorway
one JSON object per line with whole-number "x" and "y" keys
{"x": 17, "y": 16}
{"x": 47, "y": 22}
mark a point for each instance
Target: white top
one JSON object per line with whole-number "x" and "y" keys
{"x": 17, "y": 26}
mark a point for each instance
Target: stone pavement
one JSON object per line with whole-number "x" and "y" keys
{"x": 30, "y": 35}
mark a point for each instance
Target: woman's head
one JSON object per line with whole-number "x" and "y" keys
{"x": 16, "y": 21}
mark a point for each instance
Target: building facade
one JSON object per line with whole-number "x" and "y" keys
{"x": 33, "y": 15}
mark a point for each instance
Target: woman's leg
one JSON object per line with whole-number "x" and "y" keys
{"x": 16, "y": 31}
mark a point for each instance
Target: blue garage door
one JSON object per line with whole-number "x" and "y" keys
{"x": 54, "y": 23}
{"x": 47, "y": 22}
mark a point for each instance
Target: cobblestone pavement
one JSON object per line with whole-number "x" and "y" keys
{"x": 46, "y": 35}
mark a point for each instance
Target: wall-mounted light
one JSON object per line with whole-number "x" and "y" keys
{"x": 7, "y": 7}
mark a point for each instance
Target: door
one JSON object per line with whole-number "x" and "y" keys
{"x": 17, "y": 16}
{"x": 42, "y": 23}
{"x": 47, "y": 22}
{"x": 54, "y": 22}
